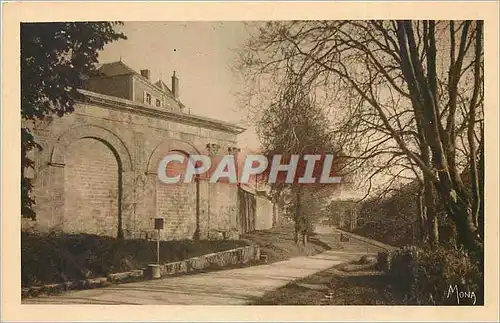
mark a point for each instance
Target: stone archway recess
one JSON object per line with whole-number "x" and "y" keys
{"x": 161, "y": 194}
{"x": 90, "y": 131}
{"x": 115, "y": 145}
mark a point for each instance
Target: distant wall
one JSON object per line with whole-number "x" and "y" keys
{"x": 264, "y": 218}
{"x": 278, "y": 216}
{"x": 256, "y": 212}
{"x": 246, "y": 211}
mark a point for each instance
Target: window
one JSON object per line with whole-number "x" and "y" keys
{"x": 148, "y": 98}
{"x": 158, "y": 102}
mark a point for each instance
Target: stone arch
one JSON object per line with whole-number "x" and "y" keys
{"x": 166, "y": 146}
{"x": 95, "y": 132}
{"x": 178, "y": 203}
{"x": 58, "y": 159}
{"x": 92, "y": 189}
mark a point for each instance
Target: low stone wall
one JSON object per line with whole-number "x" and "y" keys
{"x": 367, "y": 240}
{"x": 243, "y": 255}
{"x": 238, "y": 256}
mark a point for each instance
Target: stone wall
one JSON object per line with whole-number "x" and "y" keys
{"x": 97, "y": 171}
{"x": 223, "y": 206}
{"x": 241, "y": 256}
{"x": 256, "y": 211}
{"x": 277, "y": 215}
{"x": 91, "y": 188}
{"x": 264, "y": 213}
{"x": 246, "y": 210}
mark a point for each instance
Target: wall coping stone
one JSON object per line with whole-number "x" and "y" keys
{"x": 139, "y": 108}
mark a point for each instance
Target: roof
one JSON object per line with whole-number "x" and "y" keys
{"x": 162, "y": 85}
{"x": 165, "y": 88}
{"x": 115, "y": 68}
{"x": 141, "y": 108}
{"x": 120, "y": 68}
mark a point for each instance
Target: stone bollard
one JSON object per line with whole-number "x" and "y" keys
{"x": 153, "y": 271}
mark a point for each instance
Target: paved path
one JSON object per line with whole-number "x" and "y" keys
{"x": 229, "y": 287}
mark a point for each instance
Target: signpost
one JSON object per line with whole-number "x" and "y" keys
{"x": 159, "y": 223}
{"x": 155, "y": 268}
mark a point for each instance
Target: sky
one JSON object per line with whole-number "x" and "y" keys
{"x": 201, "y": 53}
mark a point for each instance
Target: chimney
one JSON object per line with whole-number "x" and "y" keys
{"x": 175, "y": 86}
{"x": 146, "y": 73}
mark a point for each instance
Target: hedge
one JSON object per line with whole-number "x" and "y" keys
{"x": 438, "y": 276}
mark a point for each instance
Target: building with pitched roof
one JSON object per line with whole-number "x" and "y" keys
{"x": 97, "y": 169}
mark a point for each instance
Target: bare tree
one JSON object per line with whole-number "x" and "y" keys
{"x": 408, "y": 97}
{"x": 294, "y": 125}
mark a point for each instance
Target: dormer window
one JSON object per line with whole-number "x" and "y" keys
{"x": 148, "y": 98}
{"x": 158, "y": 102}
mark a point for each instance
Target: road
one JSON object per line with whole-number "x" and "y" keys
{"x": 228, "y": 287}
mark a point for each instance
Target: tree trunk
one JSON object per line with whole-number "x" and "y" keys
{"x": 431, "y": 216}
{"x": 297, "y": 215}
{"x": 481, "y": 189}
{"x": 460, "y": 211}
{"x": 305, "y": 228}
{"x": 423, "y": 97}
{"x": 433, "y": 229}
{"x": 423, "y": 234}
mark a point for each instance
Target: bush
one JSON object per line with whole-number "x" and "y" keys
{"x": 383, "y": 261}
{"x": 437, "y": 276}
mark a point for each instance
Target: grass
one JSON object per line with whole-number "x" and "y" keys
{"x": 391, "y": 232}
{"x": 354, "y": 287}
{"x": 278, "y": 243}
{"x": 55, "y": 258}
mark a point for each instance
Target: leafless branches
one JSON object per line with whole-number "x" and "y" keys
{"x": 404, "y": 97}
